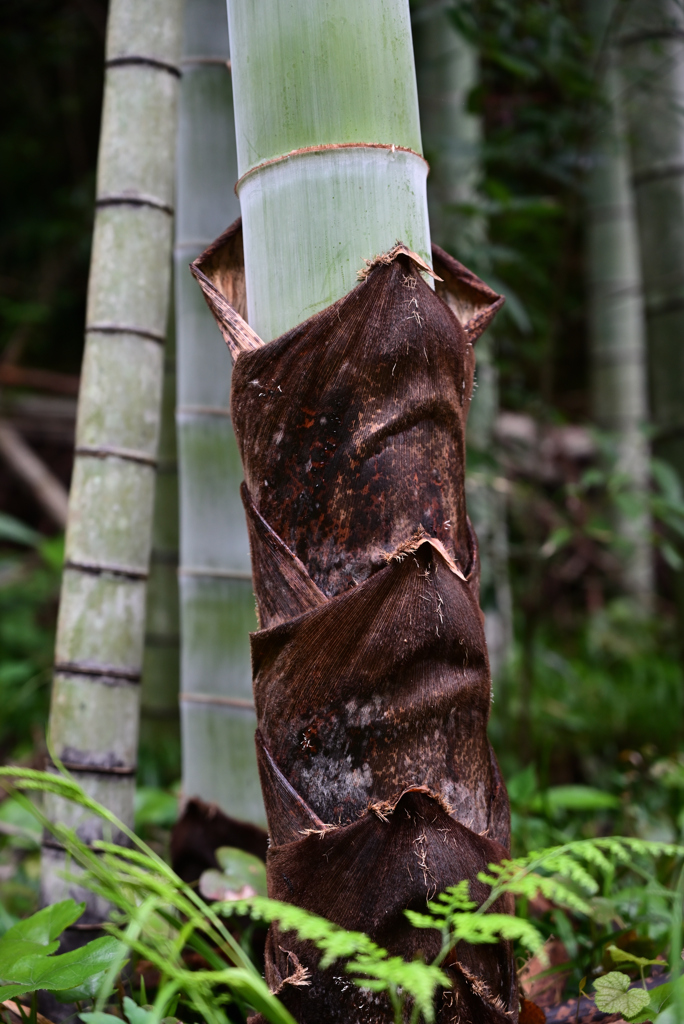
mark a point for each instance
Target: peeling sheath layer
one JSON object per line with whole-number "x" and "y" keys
{"x": 370, "y": 669}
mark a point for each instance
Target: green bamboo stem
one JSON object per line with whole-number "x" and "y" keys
{"x": 333, "y": 86}
{"x": 95, "y": 701}
{"x": 447, "y": 71}
{"x": 217, "y": 605}
{"x": 617, "y": 329}
{"x": 159, "y": 717}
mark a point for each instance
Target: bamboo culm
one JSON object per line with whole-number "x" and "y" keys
{"x": 332, "y": 142}
{"x": 217, "y": 603}
{"x": 617, "y": 329}
{"x": 93, "y": 727}
{"x": 446, "y": 73}
{"x": 651, "y": 45}
{"x": 371, "y": 678}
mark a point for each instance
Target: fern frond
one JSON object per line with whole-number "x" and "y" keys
{"x": 419, "y": 979}
{"x": 490, "y": 928}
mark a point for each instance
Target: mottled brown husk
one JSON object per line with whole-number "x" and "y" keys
{"x": 370, "y": 668}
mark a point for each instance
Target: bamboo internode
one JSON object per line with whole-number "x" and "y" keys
{"x": 98, "y": 657}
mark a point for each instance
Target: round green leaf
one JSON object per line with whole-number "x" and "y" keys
{"x": 242, "y": 876}
{"x": 613, "y": 995}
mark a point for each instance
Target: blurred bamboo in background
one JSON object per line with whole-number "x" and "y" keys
{"x": 93, "y": 727}
{"x": 159, "y": 715}
{"x": 616, "y": 312}
{"x": 217, "y": 605}
{"x": 447, "y": 73}
{"x": 651, "y": 37}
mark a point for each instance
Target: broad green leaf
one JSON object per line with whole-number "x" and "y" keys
{"x": 668, "y": 1016}
{"x": 613, "y": 995}
{"x": 574, "y": 798}
{"x": 67, "y": 971}
{"x": 11, "y": 991}
{"x": 99, "y": 1017}
{"x": 88, "y": 989}
{"x": 242, "y": 876}
{"x": 46, "y": 925}
{"x": 136, "y": 1014}
{"x": 660, "y": 998}
{"x": 15, "y": 954}
{"x": 622, "y": 956}
{"x": 76, "y": 967}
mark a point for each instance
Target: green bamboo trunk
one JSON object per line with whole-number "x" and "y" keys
{"x": 329, "y": 149}
{"x": 217, "y": 605}
{"x": 159, "y": 752}
{"x": 617, "y": 329}
{"x": 447, "y": 72}
{"x": 652, "y": 51}
{"x": 95, "y": 701}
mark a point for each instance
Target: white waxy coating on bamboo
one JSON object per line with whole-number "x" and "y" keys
{"x": 94, "y": 716}
{"x": 318, "y": 74}
{"x": 217, "y": 604}
{"x": 359, "y": 202}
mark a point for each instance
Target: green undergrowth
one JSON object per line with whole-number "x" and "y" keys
{"x": 612, "y": 883}
{"x": 30, "y": 569}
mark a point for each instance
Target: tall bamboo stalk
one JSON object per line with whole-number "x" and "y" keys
{"x": 371, "y": 676}
{"x": 217, "y": 605}
{"x": 617, "y": 329}
{"x": 652, "y": 51}
{"x": 159, "y": 716}
{"x": 329, "y": 149}
{"x": 99, "y": 647}
{"x": 446, "y": 73}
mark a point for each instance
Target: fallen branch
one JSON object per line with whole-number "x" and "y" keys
{"x": 44, "y": 485}
{"x": 39, "y": 380}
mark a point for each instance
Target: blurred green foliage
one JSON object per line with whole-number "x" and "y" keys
{"x": 593, "y": 694}
{"x": 30, "y": 569}
{"x": 29, "y": 587}
{"x": 536, "y": 97}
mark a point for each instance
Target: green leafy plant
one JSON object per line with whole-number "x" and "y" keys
{"x": 28, "y": 961}
{"x": 133, "y": 1013}
{"x": 157, "y": 918}
{"x": 239, "y": 876}
{"x": 29, "y": 583}
{"x": 613, "y": 995}
{"x": 616, "y": 994}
